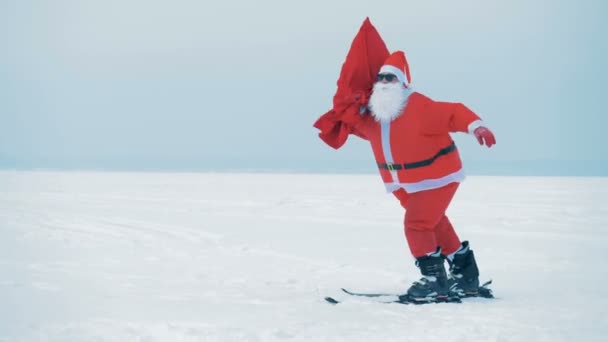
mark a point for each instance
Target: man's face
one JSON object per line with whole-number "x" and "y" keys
{"x": 387, "y": 78}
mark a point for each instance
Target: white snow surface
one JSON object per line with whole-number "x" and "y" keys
{"x": 98, "y": 256}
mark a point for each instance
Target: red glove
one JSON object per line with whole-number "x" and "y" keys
{"x": 483, "y": 134}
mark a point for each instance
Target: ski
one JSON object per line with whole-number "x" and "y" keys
{"x": 483, "y": 291}
{"x": 386, "y": 300}
{"x": 394, "y": 299}
{"x": 366, "y": 294}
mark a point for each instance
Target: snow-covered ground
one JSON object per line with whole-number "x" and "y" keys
{"x": 249, "y": 257}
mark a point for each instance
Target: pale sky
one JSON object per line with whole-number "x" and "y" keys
{"x": 217, "y": 85}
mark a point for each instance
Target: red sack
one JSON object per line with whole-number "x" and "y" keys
{"x": 366, "y": 55}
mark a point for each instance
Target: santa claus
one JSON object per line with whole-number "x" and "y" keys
{"x": 419, "y": 163}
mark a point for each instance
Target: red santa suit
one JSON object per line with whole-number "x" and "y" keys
{"x": 419, "y": 162}
{"x": 416, "y": 156}
{"x": 415, "y": 151}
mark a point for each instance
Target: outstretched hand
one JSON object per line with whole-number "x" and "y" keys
{"x": 484, "y": 135}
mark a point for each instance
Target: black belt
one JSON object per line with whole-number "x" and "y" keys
{"x": 417, "y": 164}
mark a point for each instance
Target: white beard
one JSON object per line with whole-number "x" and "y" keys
{"x": 388, "y": 100}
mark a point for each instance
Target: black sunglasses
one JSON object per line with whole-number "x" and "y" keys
{"x": 387, "y": 77}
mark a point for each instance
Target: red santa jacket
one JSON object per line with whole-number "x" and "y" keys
{"x": 415, "y": 151}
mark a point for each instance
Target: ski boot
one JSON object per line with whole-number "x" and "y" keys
{"x": 433, "y": 286}
{"x": 464, "y": 275}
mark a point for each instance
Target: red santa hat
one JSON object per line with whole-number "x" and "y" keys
{"x": 396, "y": 64}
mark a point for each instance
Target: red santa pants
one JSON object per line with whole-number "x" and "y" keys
{"x": 426, "y": 226}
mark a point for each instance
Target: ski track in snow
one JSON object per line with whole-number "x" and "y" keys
{"x": 93, "y": 256}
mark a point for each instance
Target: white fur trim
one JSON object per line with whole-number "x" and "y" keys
{"x": 427, "y": 184}
{"x": 395, "y": 71}
{"x": 474, "y": 125}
